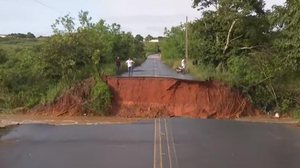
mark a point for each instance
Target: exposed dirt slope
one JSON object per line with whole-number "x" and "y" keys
{"x": 155, "y": 97}
{"x": 71, "y": 103}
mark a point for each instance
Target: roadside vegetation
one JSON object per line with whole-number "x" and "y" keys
{"x": 38, "y": 70}
{"x": 245, "y": 46}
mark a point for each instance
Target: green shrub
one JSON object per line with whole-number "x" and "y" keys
{"x": 53, "y": 92}
{"x": 3, "y": 57}
{"x": 100, "y": 98}
{"x": 151, "y": 48}
{"x": 296, "y": 114}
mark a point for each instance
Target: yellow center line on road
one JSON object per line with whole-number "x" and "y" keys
{"x": 168, "y": 144}
{"x": 157, "y": 156}
{"x": 154, "y": 155}
{"x": 164, "y": 145}
{"x": 160, "y": 144}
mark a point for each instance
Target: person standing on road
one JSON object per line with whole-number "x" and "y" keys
{"x": 130, "y": 63}
{"x": 118, "y": 64}
{"x": 183, "y": 65}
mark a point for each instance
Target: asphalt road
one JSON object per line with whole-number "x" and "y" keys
{"x": 160, "y": 143}
{"x": 153, "y": 67}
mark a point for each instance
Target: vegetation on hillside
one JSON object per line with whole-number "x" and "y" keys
{"x": 38, "y": 73}
{"x": 246, "y": 46}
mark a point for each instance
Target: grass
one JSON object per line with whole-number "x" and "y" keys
{"x": 296, "y": 114}
{"x": 202, "y": 72}
{"x": 18, "y": 43}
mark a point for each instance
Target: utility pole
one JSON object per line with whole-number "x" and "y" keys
{"x": 186, "y": 43}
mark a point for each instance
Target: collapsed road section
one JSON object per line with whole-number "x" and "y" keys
{"x": 161, "y": 97}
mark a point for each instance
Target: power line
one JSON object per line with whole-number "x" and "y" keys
{"x": 45, "y": 5}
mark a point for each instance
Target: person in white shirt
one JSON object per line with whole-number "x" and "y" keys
{"x": 183, "y": 65}
{"x": 130, "y": 63}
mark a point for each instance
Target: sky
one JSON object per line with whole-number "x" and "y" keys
{"x": 137, "y": 16}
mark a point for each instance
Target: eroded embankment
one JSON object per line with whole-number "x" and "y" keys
{"x": 71, "y": 103}
{"x": 156, "y": 97}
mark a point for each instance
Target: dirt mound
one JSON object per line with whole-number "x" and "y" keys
{"x": 156, "y": 97}
{"x": 71, "y": 103}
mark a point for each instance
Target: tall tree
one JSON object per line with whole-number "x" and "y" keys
{"x": 233, "y": 27}
{"x": 286, "y": 20}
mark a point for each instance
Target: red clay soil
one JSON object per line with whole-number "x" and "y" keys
{"x": 71, "y": 103}
{"x": 157, "y": 97}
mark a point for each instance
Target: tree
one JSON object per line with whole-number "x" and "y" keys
{"x": 148, "y": 38}
{"x": 30, "y": 35}
{"x": 139, "y": 38}
{"x": 232, "y": 28}
{"x": 66, "y": 22}
{"x": 84, "y": 19}
{"x": 286, "y": 20}
{"x": 203, "y": 4}
{"x": 172, "y": 46}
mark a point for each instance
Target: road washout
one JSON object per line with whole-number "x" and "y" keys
{"x": 168, "y": 97}
{"x": 151, "y": 97}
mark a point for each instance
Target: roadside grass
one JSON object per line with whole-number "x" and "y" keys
{"x": 296, "y": 115}
{"x": 171, "y": 63}
{"x": 291, "y": 82}
{"x": 15, "y": 43}
{"x": 202, "y": 72}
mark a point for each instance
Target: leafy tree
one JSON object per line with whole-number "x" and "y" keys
{"x": 148, "y": 38}
{"x": 139, "y": 38}
{"x": 173, "y": 45}
{"x": 39, "y": 74}
{"x": 67, "y": 22}
{"x": 286, "y": 21}
{"x": 21, "y": 35}
{"x": 235, "y": 27}
{"x": 250, "y": 48}
{"x": 30, "y": 35}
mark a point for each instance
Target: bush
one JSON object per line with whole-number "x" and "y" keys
{"x": 53, "y": 92}
{"x": 296, "y": 113}
{"x": 3, "y": 57}
{"x": 100, "y": 98}
{"x": 151, "y": 48}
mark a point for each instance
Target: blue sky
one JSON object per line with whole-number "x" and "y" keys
{"x": 137, "y": 16}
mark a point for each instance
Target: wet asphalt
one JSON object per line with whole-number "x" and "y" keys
{"x": 184, "y": 143}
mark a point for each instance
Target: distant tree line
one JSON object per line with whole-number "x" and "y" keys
{"x": 21, "y": 35}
